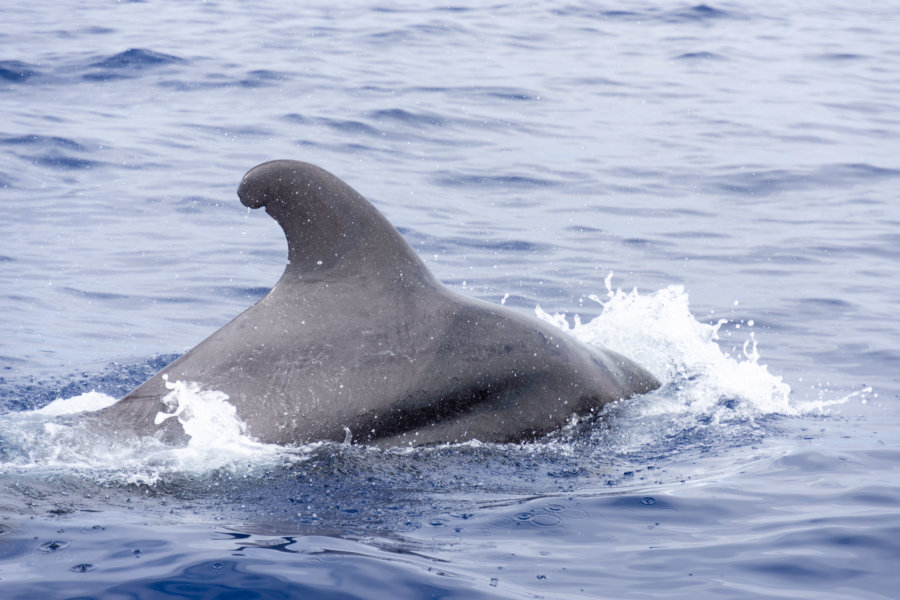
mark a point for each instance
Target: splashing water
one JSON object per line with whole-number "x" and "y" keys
{"x": 64, "y": 434}
{"x": 709, "y": 401}
{"x": 703, "y": 388}
{"x": 658, "y": 331}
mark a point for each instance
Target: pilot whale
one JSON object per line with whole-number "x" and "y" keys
{"x": 358, "y": 341}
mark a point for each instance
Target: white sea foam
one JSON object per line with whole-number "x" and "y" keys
{"x": 658, "y": 331}
{"x": 65, "y": 435}
{"x": 88, "y": 401}
{"x": 218, "y": 436}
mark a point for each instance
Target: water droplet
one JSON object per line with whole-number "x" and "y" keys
{"x": 94, "y": 529}
{"x": 82, "y": 568}
{"x": 53, "y": 546}
{"x": 546, "y": 520}
{"x": 647, "y": 500}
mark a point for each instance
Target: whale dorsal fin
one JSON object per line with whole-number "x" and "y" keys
{"x": 330, "y": 228}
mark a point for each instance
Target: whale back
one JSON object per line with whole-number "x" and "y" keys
{"x": 358, "y": 336}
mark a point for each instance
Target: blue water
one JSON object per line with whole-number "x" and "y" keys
{"x": 736, "y": 164}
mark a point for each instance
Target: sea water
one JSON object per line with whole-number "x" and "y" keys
{"x": 710, "y": 189}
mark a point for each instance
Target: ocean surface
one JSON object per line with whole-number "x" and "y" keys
{"x": 710, "y": 189}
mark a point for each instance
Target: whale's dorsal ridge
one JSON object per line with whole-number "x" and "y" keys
{"x": 358, "y": 335}
{"x": 329, "y": 226}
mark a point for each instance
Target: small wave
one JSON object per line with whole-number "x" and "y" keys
{"x": 57, "y": 160}
{"x": 450, "y": 179}
{"x": 196, "y": 204}
{"x": 502, "y": 93}
{"x": 476, "y": 91}
{"x": 55, "y": 152}
{"x": 350, "y": 126}
{"x": 16, "y": 71}
{"x": 591, "y": 12}
{"x": 698, "y": 13}
{"x": 106, "y": 297}
{"x": 263, "y": 78}
{"x": 405, "y": 117}
{"x": 296, "y": 118}
{"x": 700, "y": 56}
{"x": 764, "y": 182}
{"x": 185, "y": 86}
{"x": 497, "y": 246}
{"x": 834, "y": 305}
{"x": 841, "y": 56}
{"x": 128, "y": 64}
{"x": 391, "y": 124}
{"x": 415, "y": 33}
{"x": 42, "y": 141}
{"x": 136, "y": 58}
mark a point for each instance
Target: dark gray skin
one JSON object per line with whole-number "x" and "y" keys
{"x": 358, "y": 336}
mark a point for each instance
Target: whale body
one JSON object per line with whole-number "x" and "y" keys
{"x": 358, "y": 341}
